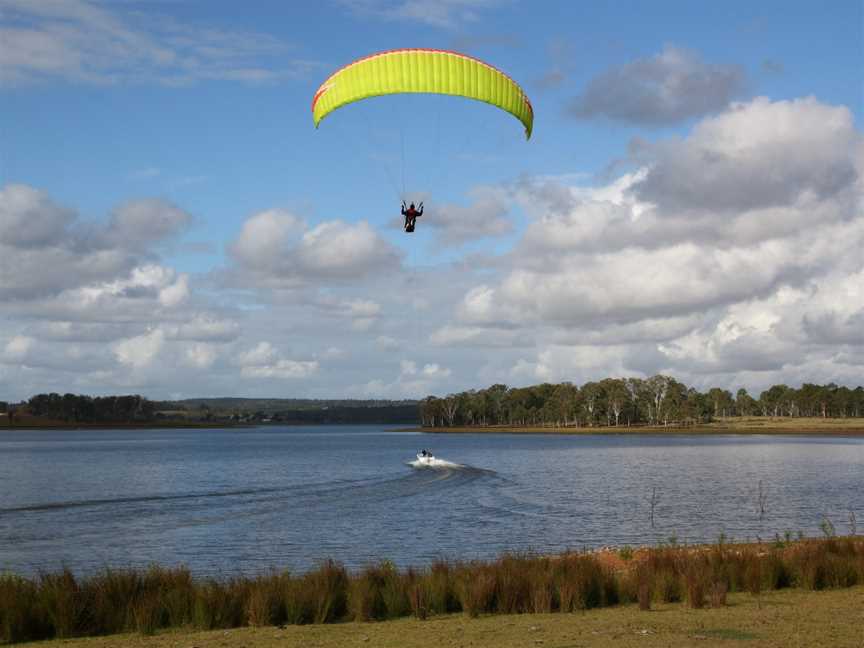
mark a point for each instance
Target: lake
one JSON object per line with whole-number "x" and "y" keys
{"x": 226, "y": 501}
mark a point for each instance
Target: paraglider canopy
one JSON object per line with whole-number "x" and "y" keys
{"x": 422, "y": 71}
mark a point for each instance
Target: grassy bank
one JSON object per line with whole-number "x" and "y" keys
{"x": 732, "y": 425}
{"x": 779, "y": 619}
{"x": 159, "y": 599}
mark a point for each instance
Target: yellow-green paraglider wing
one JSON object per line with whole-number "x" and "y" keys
{"x": 422, "y": 70}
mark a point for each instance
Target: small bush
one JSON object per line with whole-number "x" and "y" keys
{"x": 148, "y": 614}
{"x": 418, "y": 594}
{"x": 219, "y": 605}
{"x": 442, "y": 589}
{"x": 696, "y": 586}
{"x": 717, "y": 594}
{"x": 365, "y": 599}
{"x": 62, "y": 600}
{"x": 542, "y": 590}
{"x": 264, "y": 603}
{"x": 297, "y": 603}
{"x": 328, "y": 587}
{"x": 20, "y": 619}
{"x": 476, "y": 590}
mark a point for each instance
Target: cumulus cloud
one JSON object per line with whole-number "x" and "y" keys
{"x": 139, "y": 352}
{"x": 486, "y": 216}
{"x": 45, "y": 250}
{"x": 200, "y": 355}
{"x": 142, "y": 223}
{"x": 669, "y": 87}
{"x": 677, "y": 267}
{"x": 276, "y": 249}
{"x": 90, "y": 305}
{"x": 265, "y": 361}
{"x": 206, "y": 328}
{"x": 752, "y": 156}
{"x": 445, "y": 14}
{"x": 17, "y": 348}
{"x": 97, "y": 43}
{"x": 413, "y": 381}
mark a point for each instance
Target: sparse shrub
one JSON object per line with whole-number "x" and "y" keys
{"x": 297, "y": 602}
{"x": 329, "y": 591}
{"x": 394, "y": 592}
{"x": 219, "y": 605}
{"x": 20, "y": 619}
{"x": 695, "y": 579}
{"x": 778, "y": 574}
{"x": 542, "y": 589}
{"x": 512, "y": 584}
{"x": 365, "y": 599}
{"x": 753, "y": 575}
{"x": 476, "y": 589}
{"x": 62, "y": 600}
{"x": 643, "y": 579}
{"x": 583, "y": 583}
{"x": 264, "y": 603}
{"x": 418, "y": 593}
{"x": 717, "y": 594}
{"x": 148, "y": 614}
{"x": 442, "y": 595}
{"x": 112, "y": 597}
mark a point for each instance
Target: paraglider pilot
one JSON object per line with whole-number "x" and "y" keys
{"x": 411, "y": 215}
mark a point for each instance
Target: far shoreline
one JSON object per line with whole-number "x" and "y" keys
{"x": 834, "y": 427}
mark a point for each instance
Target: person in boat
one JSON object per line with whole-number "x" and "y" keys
{"x": 425, "y": 453}
{"x": 411, "y": 215}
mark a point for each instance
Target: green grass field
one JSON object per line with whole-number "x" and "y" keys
{"x": 781, "y": 619}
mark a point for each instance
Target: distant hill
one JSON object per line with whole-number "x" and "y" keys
{"x": 294, "y": 410}
{"x": 52, "y": 410}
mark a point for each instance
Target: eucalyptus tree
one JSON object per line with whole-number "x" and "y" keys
{"x": 745, "y": 404}
{"x": 592, "y": 399}
{"x": 722, "y": 401}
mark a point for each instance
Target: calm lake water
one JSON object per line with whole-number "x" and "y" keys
{"x": 246, "y": 500}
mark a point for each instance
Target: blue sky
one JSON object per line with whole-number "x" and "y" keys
{"x": 197, "y": 114}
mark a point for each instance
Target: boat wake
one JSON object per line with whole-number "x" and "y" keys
{"x": 434, "y": 463}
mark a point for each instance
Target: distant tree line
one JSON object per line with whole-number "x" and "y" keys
{"x": 658, "y": 400}
{"x": 74, "y": 408}
{"x": 383, "y": 414}
{"x": 78, "y": 409}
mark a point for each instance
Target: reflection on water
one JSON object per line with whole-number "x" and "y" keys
{"x": 224, "y": 501}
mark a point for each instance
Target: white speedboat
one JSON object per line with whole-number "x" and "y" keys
{"x": 425, "y": 458}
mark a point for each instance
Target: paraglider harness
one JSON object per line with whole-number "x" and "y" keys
{"x": 411, "y": 215}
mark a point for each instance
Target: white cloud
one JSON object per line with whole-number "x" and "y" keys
{"x": 445, "y": 14}
{"x": 200, "y": 355}
{"x": 17, "y": 348}
{"x": 413, "y": 381}
{"x": 387, "y": 343}
{"x": 486, "y": 216}
{"x": 204, "y": 327}
{"x": 282, "y": 369}
{"x": 262, "y": 354}
{"x": 686, "y": 267}
{"x": 139, "y": 352}
{"x": 265, "y": 361}
{"x": 98, "y": 43}
{"x": 275, "y": 249}
{"x": 666, "y": 88}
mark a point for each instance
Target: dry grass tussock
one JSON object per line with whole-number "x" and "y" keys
{"x": 62, "y": 605}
